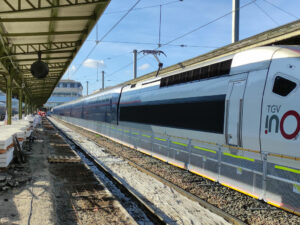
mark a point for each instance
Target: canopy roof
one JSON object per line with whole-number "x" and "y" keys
{"x": 57, "y": 28}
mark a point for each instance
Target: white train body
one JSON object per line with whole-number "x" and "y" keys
{"x": 240, "y": 128}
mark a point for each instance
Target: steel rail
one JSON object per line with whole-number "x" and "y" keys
{"x": 147, "y": 209}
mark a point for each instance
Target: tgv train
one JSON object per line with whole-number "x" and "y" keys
{"x": 234, "y": 120}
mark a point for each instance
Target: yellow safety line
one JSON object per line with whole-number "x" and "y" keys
{"x": 135, "y": 133}
{"x": 160, "y": 139}
{"x": 147, "y": 136}
{"x": 179, "y": 143}
{"x": 238, "y": 157}
{"x": 239, "y": 190}
{"x": 287, "y": 169}
{"x": 144, "y": 152}
{"x": 202, "y": 175}
{"x": 174, "y": 164}
{"x": 274, "y": 204}
{"x": 126, "y": 131}
{"x": 159, "y": 158}
{"x": 205, "y": 149}
{"x": 120, "y": 130}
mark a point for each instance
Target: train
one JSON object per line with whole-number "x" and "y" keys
{"x": 2, "y": 111}
{"x": 233, "y": 119}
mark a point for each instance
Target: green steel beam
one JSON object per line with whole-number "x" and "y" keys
{"x": 20, "y": 103}
{"x": 43, "y": 19}
{"x": 46, "y": 58}
{"x": 35, "y": 47}
{"x": 42, "y": 33}
{"x": 19, "y": 6}
{"x": 9, "y": 79}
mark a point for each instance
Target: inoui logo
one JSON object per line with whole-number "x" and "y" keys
{"x": 274, "y": 122}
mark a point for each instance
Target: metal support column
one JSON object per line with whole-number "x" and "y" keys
{"x": 26, "y": 106}
{"x": 235, "y": 20}
{"x": 8, "y": 98}
{"x": 20, "y": 103}
{"x": 102, "y": 80}
{"x": 134, "y": 63}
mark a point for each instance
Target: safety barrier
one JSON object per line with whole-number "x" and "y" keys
{"x": 259, "y": 175}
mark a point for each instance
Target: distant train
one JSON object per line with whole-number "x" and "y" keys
{"x": 2, "y": 111}
{"x": 233, "y": 119}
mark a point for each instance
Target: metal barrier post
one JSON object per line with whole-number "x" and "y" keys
{"x": 219, "y": 163}
{"x": 190, "y": 152}
{"x": 264, "y": 182}
{"x": 152, "y": 142}
{"x": 168, "y": 146}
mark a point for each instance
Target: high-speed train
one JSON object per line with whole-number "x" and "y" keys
{"x": 233, "y": 119}
{"x": 2, "y": 110}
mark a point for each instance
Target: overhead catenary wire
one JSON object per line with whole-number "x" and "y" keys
{"x": 106, "y": 34}
{"x": 265, "y": 13}
{"x": 145, "y": 7}
{"x": 206, "y": 24}
{"x": 152, "y": 43}
{"x": 185, "y": 34}
{"x": 277, "y": 7}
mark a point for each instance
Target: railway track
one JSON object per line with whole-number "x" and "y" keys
{"x": 92, "y": 163}
{"x": 240, "y": 208}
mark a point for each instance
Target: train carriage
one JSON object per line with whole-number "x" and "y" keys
{"x": 234, "y": 120}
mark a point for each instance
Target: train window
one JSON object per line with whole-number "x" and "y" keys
{"x": 213, "y": 70}
{"x": 283, "y": 86}
{"x": 200, "y": 113}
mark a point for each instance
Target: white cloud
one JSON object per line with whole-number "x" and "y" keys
{"x": 144, "y": 66}
{"x": 72, "y": 68}
{"x": 93, "y": 63}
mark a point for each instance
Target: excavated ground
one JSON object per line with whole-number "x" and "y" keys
{"x": 39, "y": 192}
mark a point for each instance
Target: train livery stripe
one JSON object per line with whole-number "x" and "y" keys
{"x": 145, "y": 135}
{"x": 287, "y": 169}
{"x": 179, "y": 143}
{"x": 160, "y": 139}
{"x": 135, "y": 133}
{"x": 238, "y": 157}
{"x": 204, "y": 149}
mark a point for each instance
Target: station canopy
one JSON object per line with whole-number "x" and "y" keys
{"x": 57, "y": 28}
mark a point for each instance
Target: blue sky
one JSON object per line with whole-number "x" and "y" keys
{"x": 141, "y": 25}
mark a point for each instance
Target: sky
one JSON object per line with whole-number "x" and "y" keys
{"x": 186, "y": 31}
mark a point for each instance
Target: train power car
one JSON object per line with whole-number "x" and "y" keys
{"x": 234, "y": 120}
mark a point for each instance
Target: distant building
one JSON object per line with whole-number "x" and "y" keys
{"x": 65, "y": 91}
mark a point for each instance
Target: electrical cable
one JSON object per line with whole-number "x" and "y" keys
{"x": 204, "y": 25}
{"x": 107, "y": 33}
{"x": 145, "y": 7}
{"x": 181, "y": 36}
{"x": 151, "y": 43}
{"x": 277, "y": 7}
{"x": 266, "y": 14}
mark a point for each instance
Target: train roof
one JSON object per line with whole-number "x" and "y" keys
{"x": 259, "y": 56}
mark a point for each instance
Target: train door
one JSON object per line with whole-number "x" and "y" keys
{"x": 234, "y": 111}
